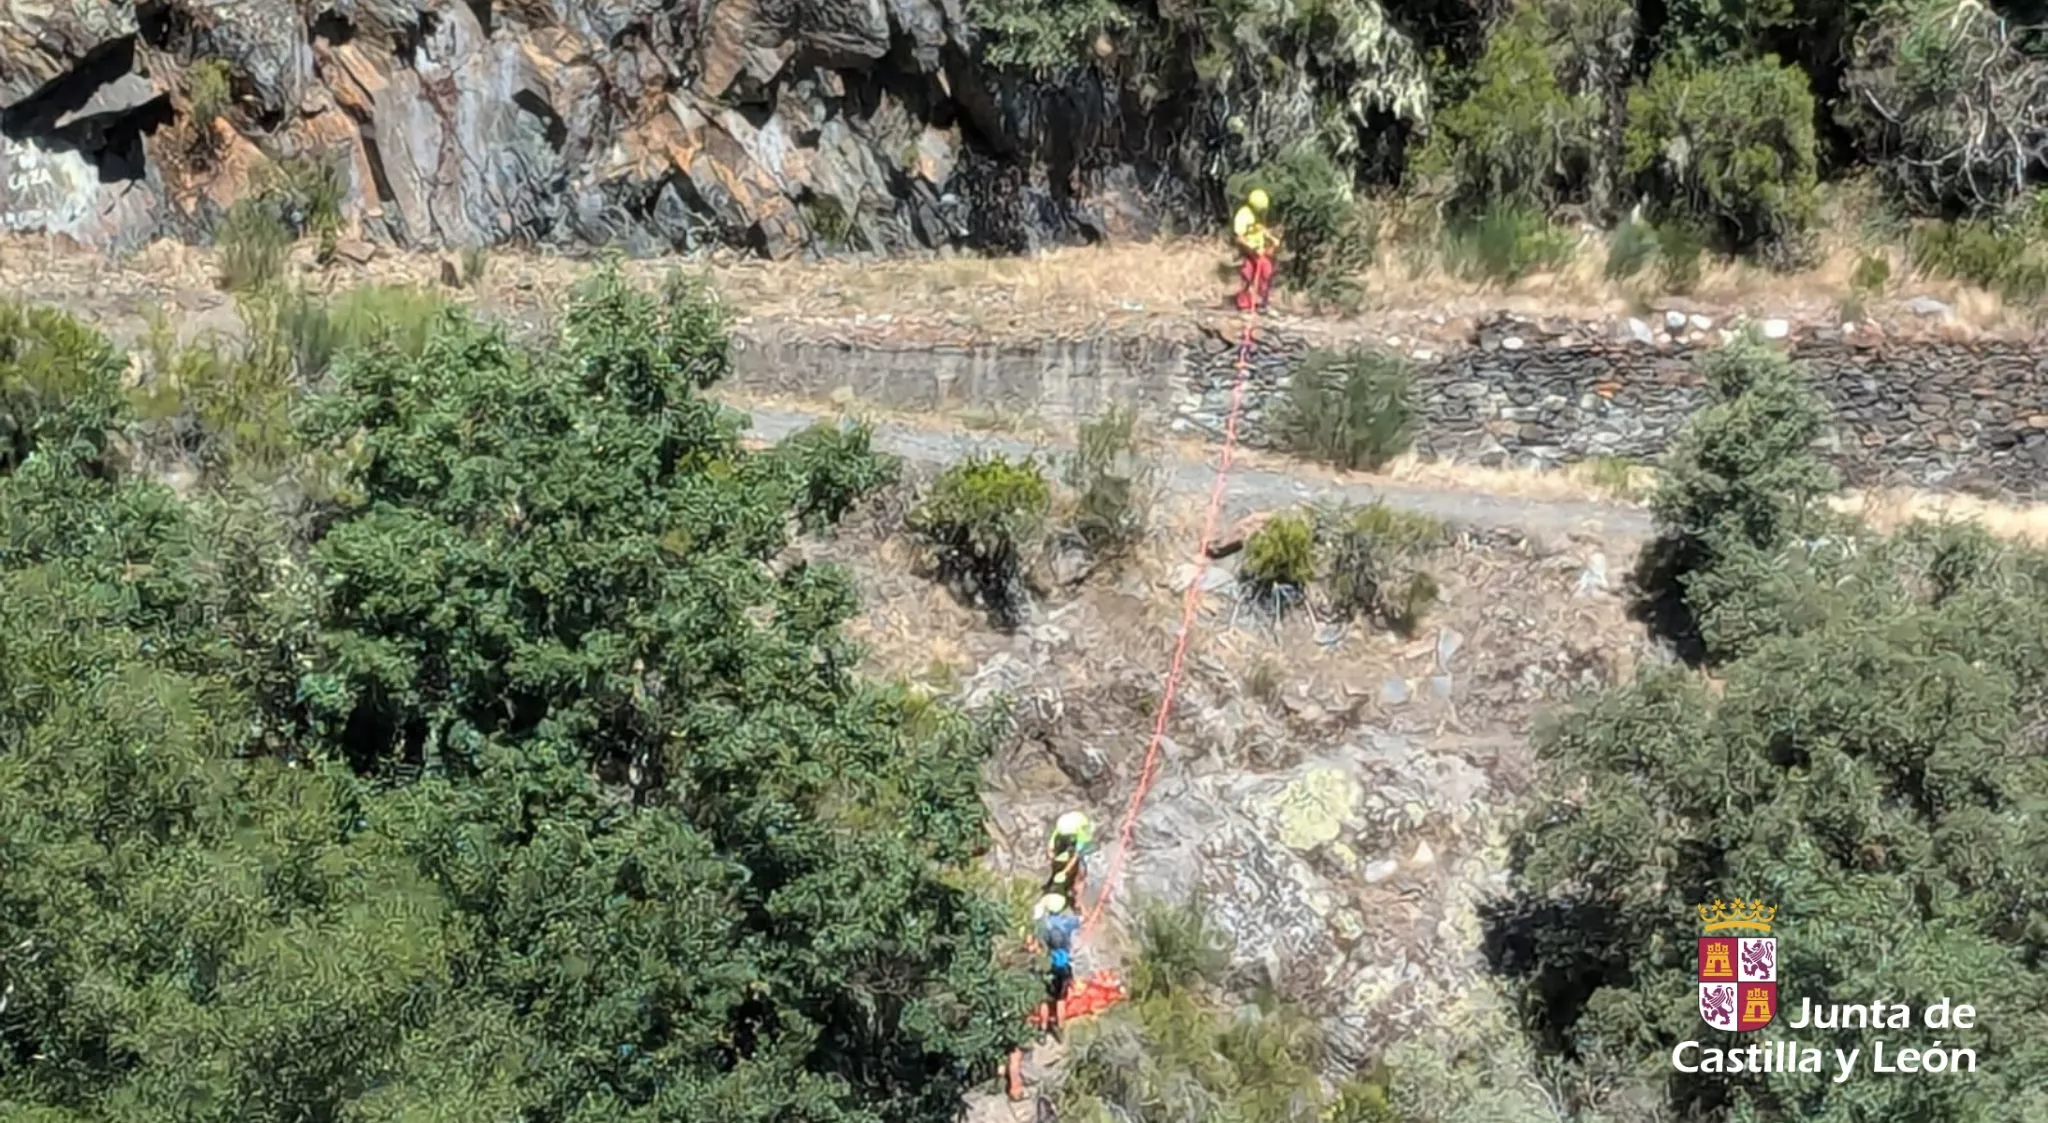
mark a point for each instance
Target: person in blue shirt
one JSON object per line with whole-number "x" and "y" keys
{"x": 1057, "y": 928}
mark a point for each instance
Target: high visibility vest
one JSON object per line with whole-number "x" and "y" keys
{"x": 1249, "y": 229}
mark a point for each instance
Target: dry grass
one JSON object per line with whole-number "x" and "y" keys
{"x": 1065, "y": 290}
{"x": 1164, "y": 277}
{"x": 1891, "y": 509}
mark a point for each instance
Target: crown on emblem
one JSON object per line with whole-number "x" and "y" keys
{"x": 1753, "y": 915}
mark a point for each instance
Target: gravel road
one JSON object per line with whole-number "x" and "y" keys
{"x": 1254, "y": 489}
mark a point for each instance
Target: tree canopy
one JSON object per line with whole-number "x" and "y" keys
{"x": 530, "y": 782}
{"x": 1867, "y": 755}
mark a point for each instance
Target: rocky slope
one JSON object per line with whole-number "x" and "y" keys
{"x": 774, "y": 125}
{"x": 1338, "y": 798}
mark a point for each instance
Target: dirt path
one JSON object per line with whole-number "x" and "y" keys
{"x": 1259, "y": 489}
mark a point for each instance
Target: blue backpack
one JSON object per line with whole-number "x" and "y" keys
{"x": 1061, "y": 959}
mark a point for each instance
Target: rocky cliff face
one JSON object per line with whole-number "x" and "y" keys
{"x": 775, "y": 125}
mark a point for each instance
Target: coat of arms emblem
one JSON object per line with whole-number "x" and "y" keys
{"x": 1738, "y": 970}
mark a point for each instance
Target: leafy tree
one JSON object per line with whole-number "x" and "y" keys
{"x": 1518, "y": 136}
{"x": 1730, "y": 145}
{"x": 538, "y": 788}
{"x": 1875, "y": 771}
{"x": 1871, "y": 764}
{"x": 1739, "y": 497}
{"x": 547, "y": 598}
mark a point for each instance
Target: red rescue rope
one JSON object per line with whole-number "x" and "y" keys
{"x": 1191, "y": 604}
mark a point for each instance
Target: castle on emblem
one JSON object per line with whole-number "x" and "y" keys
{"x": 1738, "y": 971}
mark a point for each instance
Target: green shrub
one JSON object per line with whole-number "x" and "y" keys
{"x": 1730, "y": 147}
{"x": 476, "y": 263}
{"x": 1517, "y": 137}
{"x": 1741, "y": 485}
{"x": 207, "y": 95}
{"x": 2001, "y": 254}
{"x": 1178, "y": 951}
{"x": 402, "y": 315}
{"x": 1504, "y": 243}
{"x": 1630, "y": 249}
{"x": 1112, "y": 483}
{"x": 1175, "y": 1052}
{"x": 230, "y": 400}
{"x": 207, "y": 89}
{"x": 1327, "y": 236}
{"x": 1367, "y": 570}
{"x": 253, "y": 240}
{"x": 1872, "y": 273}
{"x": 1615, "y": 475}
{"x": 1280, "y": 555}
{"x": 60, "y": 387}
{"x": 1350, "y": 408}
{"x": 1681, "y": 255}
{"x": 1042, "y": 35}
{"x": 984, "y": 516}
{"x": 835, "y": 467}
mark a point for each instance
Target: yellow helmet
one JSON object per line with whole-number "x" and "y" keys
{"x": 1257, "y": 199}
{"x": 1049, "y": 905}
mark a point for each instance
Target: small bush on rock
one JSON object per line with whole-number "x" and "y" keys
{"x": 252, "y": 240}
{"x": 1111, "y": 482}
{"x": 1280, "y": 555}
{"x": 984, "y": 516}
{"x": 835, "y": 468}
{"x": 1176, "y": 1052}
{"x": 1367, "y": 572}
{"x": 1349, "y": 408}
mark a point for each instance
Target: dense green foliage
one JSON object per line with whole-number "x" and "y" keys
{"x": 984, "y": 517}
{"x": 528, "y": 780}
{"x": 1279, "y": 555}
{"x": 1728, "y": 147}
{"x": 1719, "y": 117}
{"x": 1871, "y": 762}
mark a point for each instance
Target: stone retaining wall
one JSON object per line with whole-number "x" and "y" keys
{"x": 1969, "y": 417}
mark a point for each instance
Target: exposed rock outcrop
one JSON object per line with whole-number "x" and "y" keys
{"x": 777, "y": 125}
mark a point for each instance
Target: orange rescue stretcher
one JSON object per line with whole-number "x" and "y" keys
{"x": 1092, "y": 995}
{"x": 1087, "y": 997}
